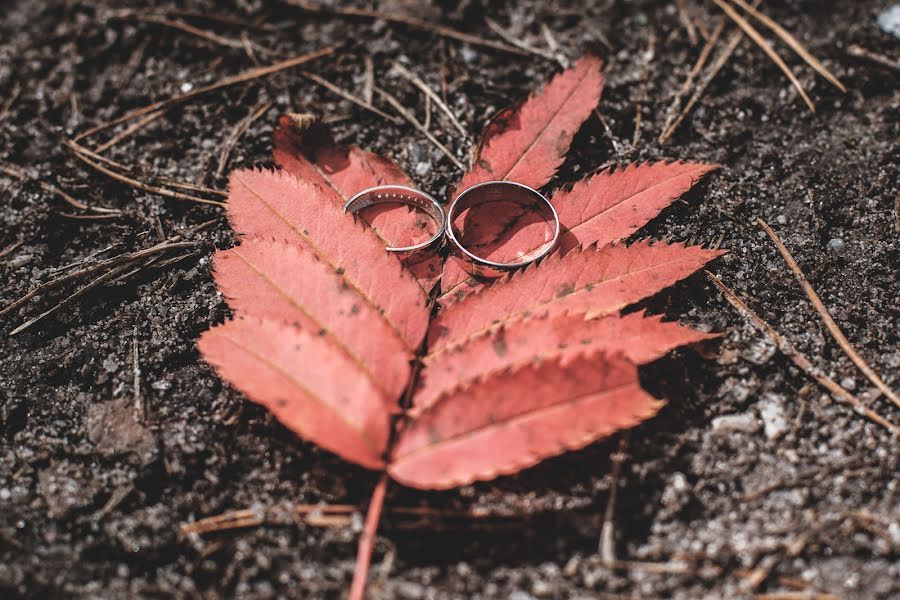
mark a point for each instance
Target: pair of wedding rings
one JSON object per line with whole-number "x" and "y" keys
{"x": 476, "y": 197}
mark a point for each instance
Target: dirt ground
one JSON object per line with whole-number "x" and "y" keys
{"x": 791, "y": 491}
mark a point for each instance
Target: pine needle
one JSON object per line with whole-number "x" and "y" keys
{"x": 793, "y": 42}
{"x": 754, "y": 35}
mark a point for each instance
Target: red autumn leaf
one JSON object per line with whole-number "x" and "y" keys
{"x": 529, "y": 144}
{"x": 590, "y": 281}
{"x": 305, "y": 149}
{"x": 516, "y": 419}
{"x": 275, "y": 205}
{"x": 287, "y": 283}
{"x": 642, "y": 339}
{"x": 306, "y": 382}
{"x": 607, "y": 207}
{"x": 536, "y": 364}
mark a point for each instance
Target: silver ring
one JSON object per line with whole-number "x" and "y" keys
{"x": 400, "y": 194}
{"x": 494, "y": 191}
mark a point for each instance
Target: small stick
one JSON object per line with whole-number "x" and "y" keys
{"x": 409, "y": 22}
{"x": 754, "y": 35}
{"x": 222, "y": 83}
{"x": 417, "y": 81}
{"x": 791, "y": 41}
{"x": 415, "y": 123}
{"x": 642, "y": 98}
{"x": 237, "y": 132}
{"x": 136, "y": 366}
{"x": 348, "y": 96}
{"x": 146, "y": 186}
{"x": 7, "y": 106}
{"x": 685, "y": 21}
{"x": 668, "y": 130}
{"x": 799, "y": 359}
{"x": 511, "y": 39}
{"x": 109, "y": 275}
{"x": 369, "y": 81}
{"x": 79, "y": 149}
{"x": 131, "y": 130}
{"x": 879, "y": 59}
{"x": 714, "y": 69}
{"x": 190, "y": 29}
{"x": 367, "y": 541}
{"x": 93, "y": 268}
{"x": 553, "y": 44}
{"x": 607, "y": 547}
{"x": 11, "y": 248}
{"x": 21, "y": 175}
{"x": 829, "y": 321}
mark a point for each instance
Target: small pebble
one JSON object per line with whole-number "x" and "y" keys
{"x": 423, "y": 168}
{"x": 889, "y": 20}
{"x": 186, "y": 87}
{"x": 774, "y": 420}
{"x": 848, "y": 383}
{"x": 782, "y": 220}
{"x": 836, "y": 244}
{"x": 735, "y": 423}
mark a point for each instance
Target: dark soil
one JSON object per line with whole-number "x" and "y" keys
{"x": 797, "y": 484}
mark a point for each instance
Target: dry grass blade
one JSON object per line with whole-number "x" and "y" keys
{"x": 791, "y": 41}
{"x": 415, "y": 123}
{"x": 764, "y": 45}
{"x": 417, "y": 81}
{"x": 800, "y": 359}
{"x": 222, "y": 83}
{"x": 829, "y": 321}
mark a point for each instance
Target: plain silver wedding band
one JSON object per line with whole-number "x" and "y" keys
{"x": 400, "y": 194}
{"x": 494, "y": 191}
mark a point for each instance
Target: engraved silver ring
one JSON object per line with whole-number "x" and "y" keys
{"x": 400, "y": 194}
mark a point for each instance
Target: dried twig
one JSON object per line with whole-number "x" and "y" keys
{"x": 791, "y": 41}
{"x": 136, "y": 369}
{"x": 799, "y": 359}
{"x": 686, "y": 22}
{"x": 522, "y": 44}
{"x": 108, "y": 276}
{"x": 147, "y": 187}
{"x": 671, "y": 113}
{"x": 417, "y": 81}
{"x": 369, "y": 81}
{"x": 21, "y": 175}
{"x": 79, "y": 149}
{"x": 829, "y": 321}
{"x": 209, "y": 36}
{"x": 879, "y": 59}
{"x": 348, "y": 96}
{"x": 222, "y": 83}
{"x": 236, "y": 133}
{"x": 642, "y": 95}
{"x": 607, "y": 546}
{"x": 101, "y": 265}
{"x": 7, "y": 106}
{"x": 408, "y": 21}
{"x": 129, "y": 131}
{"x": 711, "y": 73}
{"x": 415, "y": 123}
{"x": 754, "y": 35}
